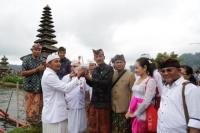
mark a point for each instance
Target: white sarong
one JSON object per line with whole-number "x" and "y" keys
{"x": 60, "y": 127}
{"x": 77, "y": 120}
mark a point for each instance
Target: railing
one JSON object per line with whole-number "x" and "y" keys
{"x": 9, "y": 99}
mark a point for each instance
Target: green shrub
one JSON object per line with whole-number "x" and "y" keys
{"x": 31, "y": 129}
{"x": 13, "y": 78}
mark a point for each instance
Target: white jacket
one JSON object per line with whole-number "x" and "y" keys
{"x": 54, "y": 105}
{"x": 76, "y": 98}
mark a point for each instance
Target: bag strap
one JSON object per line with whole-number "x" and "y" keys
{"x": 184, "y": 104}
{"x": 118, "y": 78}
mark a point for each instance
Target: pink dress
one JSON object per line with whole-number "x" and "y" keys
{"x": 143, "y": 94}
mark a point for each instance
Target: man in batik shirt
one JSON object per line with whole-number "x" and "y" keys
{"x": 32, "y": 70}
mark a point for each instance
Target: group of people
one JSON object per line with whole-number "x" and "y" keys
{"x": 96, "y": 97}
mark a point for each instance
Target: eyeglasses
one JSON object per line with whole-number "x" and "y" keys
{"x": 168, "y": 70}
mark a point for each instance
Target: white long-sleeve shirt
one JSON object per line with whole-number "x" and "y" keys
{"x": 145, "y": 90}
{"x": 76, "y": 98}
{"x": 171, "y": 118}
{"x": 54, "y": 105}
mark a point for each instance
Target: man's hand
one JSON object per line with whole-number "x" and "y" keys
{"x": 27, "y": 73}
{"x": 40, "y": 68}
{"x": 80, "y": 74}
{"x": 88, "y": 76}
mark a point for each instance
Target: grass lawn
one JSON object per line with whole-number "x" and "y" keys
{"x": 30, "y": 129}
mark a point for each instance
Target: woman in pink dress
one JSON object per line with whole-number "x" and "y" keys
{"x": 144, "y": 90}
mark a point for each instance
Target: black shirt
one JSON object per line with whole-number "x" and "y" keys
{"x": 101, "y": 84}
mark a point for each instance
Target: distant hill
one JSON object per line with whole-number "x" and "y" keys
{"x": 15, "y": 67}
{"x": 192, "y": 60}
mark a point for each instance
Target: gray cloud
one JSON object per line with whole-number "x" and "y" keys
{"x": 94, "y": 24}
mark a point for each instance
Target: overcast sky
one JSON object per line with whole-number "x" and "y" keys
{"x": 129, "y": 27}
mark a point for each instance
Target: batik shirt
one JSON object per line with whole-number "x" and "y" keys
{"x": 32, "y": 83}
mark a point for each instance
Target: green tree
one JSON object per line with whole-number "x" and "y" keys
{"x": 164, "y": 56}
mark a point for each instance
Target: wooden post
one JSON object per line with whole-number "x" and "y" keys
{"x": 17, "y": 100}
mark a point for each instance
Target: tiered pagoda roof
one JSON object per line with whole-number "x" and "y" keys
{"x": 4, "y": 64}
{"x": 46, "y": 36}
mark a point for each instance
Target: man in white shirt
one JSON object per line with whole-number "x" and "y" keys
{"x": 77, "y": 120}
{"x": 171, "y": 116}
{"x": 54, "y": 112}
